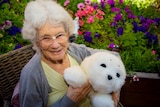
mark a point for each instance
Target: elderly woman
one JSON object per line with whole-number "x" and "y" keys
{"x": 48, "y": 26}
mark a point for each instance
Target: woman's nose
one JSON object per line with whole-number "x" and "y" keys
{"x": 54, "y": 43}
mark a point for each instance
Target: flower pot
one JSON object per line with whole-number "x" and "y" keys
{"x": 144, "y": 92}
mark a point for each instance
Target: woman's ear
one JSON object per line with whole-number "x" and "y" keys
{"x": 38, "y": 44}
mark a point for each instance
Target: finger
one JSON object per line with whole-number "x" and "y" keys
{"x": 115, "y": 97}
{"x": 86, "y": 85}
{"x": 86, "y": 91}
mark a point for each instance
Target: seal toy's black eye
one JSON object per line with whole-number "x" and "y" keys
{"x": 118, "y": 75}
{"x": 109, "y": 77}
{"x": 103, "y": 65}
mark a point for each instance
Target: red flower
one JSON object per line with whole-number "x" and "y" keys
{"x": 80, "y": 32}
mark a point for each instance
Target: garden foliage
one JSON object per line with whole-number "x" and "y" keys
{"x": 129, "y": 27}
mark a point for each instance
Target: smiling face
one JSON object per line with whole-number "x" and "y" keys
{"x": 53, "y": 42}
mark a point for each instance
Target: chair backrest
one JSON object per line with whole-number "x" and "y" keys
{"x": 11, "y": 65}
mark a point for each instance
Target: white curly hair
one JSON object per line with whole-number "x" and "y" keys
{"x": 38, "y": 12}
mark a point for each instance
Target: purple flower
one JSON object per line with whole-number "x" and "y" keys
{"x": 13, "y": 30}
{"x": 131, "y": 16}
{"x": 157, "y": 20}
{"x": 87, "y": 36}
{"x": 95, "y": 5}
{"x": 147, "y": 34}
{"x": 120, "y": 1}
{"x": 97, "y": 35}
{"x": 127, "y": 10}
{"x": 111, "y": 3}
{"x": 118, "y": 17}
{"x": 111, "y": 46}
{"x": 113, "y": 24}
{"x": 146, "y": 25}
{"x": 129, "y": 13}
{"x": 17, "y": 46}
{"x": 153, "y": 39}
{"x": 142, "y": 29}
{"x": 135, "y": 26}
{"x": 120, "y": 31}
{"x": 134, "y": 17}
{"x": 4, "y": 1}
{"x": 142, "y": 19}
{"x": 103, "y": 4}
{"x": 87, "y": 33}
{"x": 149, "y": 21}
{"x": 115, "y": 9}
{"x": 146, "y": 22}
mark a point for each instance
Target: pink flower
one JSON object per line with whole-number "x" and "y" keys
{"x": 98, "y": 16}
{"x": 81, "y": 22}
{"x": 135, "y": 78}
{"x": 80, "y": 5}
{"x": 87, "y": 1}
{"x": 80, "y": 13}
{"x": 89, "y": 9}
{"x": 100, "y": 12}
{"x": 66, "y": 2}
{"x": 154, "y": 52}
{"x": 7, "y": 24}
{"x": 90, "y": 19}
{"x": 2, "y": 27}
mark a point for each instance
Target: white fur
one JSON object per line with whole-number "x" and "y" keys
{"x": 101, "y": 100}
{"x": 105, "y": 72}
{"x": 75, "y": 76}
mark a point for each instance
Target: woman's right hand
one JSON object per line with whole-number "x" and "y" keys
{"x": 78, "y": 94}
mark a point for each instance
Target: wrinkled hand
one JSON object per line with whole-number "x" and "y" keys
{"x": 78, "y": 94}
{"x": 115, "y": 97}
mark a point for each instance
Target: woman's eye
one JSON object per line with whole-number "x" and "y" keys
{"x": 60, "y": 35}
{"x": 46, "y": 38}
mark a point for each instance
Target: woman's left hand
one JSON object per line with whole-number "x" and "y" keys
{"x": 115, "y": 97}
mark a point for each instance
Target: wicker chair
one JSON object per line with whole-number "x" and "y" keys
{"x": 11, "y": 65}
